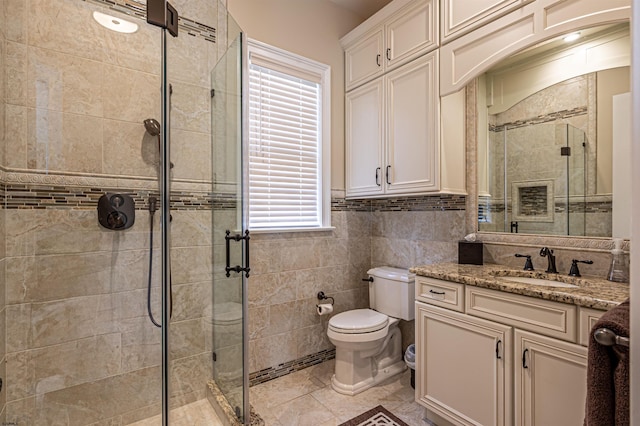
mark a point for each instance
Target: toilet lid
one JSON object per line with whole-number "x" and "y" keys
{"x": 358, "y": 321}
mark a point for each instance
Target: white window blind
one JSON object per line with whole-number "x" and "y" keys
{"x": 285, "y": 149}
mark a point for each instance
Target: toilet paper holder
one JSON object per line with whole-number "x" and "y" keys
{"x": 322, "y": 296}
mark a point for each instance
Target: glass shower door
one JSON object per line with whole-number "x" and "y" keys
{"x": 230, "y": 238}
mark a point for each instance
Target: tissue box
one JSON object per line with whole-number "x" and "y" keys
{"x": 470, "y": 252}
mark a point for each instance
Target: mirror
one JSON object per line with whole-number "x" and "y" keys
{"x": 553, "y": 131}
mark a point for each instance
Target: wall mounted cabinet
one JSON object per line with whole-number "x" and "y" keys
{"x": 400, "y": 32}
{"x": 461, "y": 16}
{"x": 392, "y": 132}
{"x": 470, "y": 55}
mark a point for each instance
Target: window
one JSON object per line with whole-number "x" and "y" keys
{"x": 289, "y": 145}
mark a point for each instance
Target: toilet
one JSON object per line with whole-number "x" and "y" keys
{"x": 368, "y": 341}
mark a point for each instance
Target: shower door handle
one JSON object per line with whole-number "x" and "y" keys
{"x": 237, "y": 237}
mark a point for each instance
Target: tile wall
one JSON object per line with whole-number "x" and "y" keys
{"x": 3, "y": 392}
{"x": 290, "y": 269}
{"x": 78, "y": 345}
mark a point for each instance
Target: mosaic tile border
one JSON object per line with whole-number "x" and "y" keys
{"x": 409, "y": 203}
{"x": 48, "y": 195}
{"x": 440, "y": 202}
{"x": 342, "y": 205}
{"x": 289, "y": 367}
{"x": 553, "y": 116}
{"x": 28, "y": 196}
{"x": 139, "y": 10}
{"x": 561, "y": 207}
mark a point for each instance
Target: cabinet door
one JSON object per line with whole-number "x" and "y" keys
{"x": 459, "y": 16}
{"x": 412, "y": 133}
{"x": 364, "y": 59}
{"x": 550, "y": 381}
{"x": 410, "y": 32}
{"x": 463, "y": 367}
{"x": 364, "y": 123}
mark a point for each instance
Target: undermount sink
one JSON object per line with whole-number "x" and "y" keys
{"x": 539, "y": 281}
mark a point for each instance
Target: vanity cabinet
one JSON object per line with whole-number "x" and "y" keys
{"x": 464, "y": 366}
{"x": 502, "y": 359}
{"x": 400, "y": 32}
{"x": 392, "y": 132}
{"x": 550, "y": 381}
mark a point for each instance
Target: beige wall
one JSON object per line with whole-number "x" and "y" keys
{"x": 311, "y": 28}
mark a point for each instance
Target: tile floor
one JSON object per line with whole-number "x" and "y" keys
{"x": 305, "y": 398}
{"x": 197, "y": 413}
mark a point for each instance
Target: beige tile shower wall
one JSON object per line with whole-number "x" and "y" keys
{"x": 3, "y": 30}
{"x": 288, "y": 270}
{"x": 77, "y": 93}
{"x": 3, "y": 391}
{"x": 76, "y": 296}
{"x": 79, "y": 345}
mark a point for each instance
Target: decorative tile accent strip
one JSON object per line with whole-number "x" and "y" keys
{"x": 289, "y": 367}
{"x": 553, "y": 116}
{"x": 139, "y": 10}
{"x": 38, "y": 196}
{"x": 420, "y": 203}
{"x": 3, "y": 197}
{"x": 560, "y": 207}
{"x": 341, "y": 205}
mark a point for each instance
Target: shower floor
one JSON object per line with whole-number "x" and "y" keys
{"x": 199, "y": 413}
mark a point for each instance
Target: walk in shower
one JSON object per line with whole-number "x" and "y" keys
{"x": 144, "y": 116}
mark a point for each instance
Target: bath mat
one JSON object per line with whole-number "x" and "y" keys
{"x": 378, "y": 416}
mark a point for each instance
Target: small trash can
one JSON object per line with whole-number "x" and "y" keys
{"x": 410, "y": 360}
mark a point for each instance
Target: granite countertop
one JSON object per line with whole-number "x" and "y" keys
{"x": 592, "y": 292}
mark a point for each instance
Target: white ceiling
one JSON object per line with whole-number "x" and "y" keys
{"x": 364, "y": 8}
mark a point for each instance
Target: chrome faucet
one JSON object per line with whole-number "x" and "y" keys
{"x": 551, "y": 260}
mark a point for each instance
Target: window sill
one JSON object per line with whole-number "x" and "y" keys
{"x": 286, "y": 230}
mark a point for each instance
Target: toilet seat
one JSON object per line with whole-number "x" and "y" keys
{"x": 358, "y": 321}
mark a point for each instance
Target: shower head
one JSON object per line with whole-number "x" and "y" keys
{"x": 152, "y": 126}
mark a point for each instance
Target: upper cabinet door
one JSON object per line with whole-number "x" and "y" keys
{"x": 461, "y": 16}
{"x": 364, "y": 59}
{"x": 364, "y": 124}
{"x": 398, "y": 33}
{"x": 411, "y": 32}
{"x": 412, "y": 130}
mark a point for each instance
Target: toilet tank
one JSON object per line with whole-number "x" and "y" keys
{"x": 392, "y": 292}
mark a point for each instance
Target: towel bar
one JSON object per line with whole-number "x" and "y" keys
{"x": 606, "y": 337}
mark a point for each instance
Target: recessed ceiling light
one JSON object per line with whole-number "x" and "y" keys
{"x": 571, "y": 37}
{"x": 115, "y": 24}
